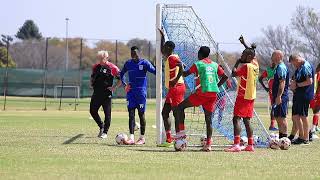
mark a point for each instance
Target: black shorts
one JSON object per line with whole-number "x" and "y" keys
{"x": 281, "y": 110}
{"x": 300, "y": 106}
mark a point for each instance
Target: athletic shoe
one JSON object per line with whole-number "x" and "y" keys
{"x": 273, "y": 128}
{"x": 306, "y": 142}
{"x": 249, "y": 148}
{"x": 242, "y": 148}
{"x": 233, "y": 148}
{"x": 166, "y": 144}
{"x": 129, "y": 142}
{"x": 317, "y": 129}
{"x": 298, "y": 141}
{"x": 207, "y": 148}
{"x": 100, "y": 132}
{"x": 103, "y": 136}
{"x": 141, "y": 141}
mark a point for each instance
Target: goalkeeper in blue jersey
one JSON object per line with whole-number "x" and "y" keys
{"x": 136, "y": 89}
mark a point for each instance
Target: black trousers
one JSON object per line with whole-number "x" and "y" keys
{"x": 98, "y": 100}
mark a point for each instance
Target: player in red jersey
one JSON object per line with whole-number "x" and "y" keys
{"x": 315, "y": 105}
{"x": 207, "y": 73}
{"x": 243, "y": 109}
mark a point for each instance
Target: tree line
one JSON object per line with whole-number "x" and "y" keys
{"x": 28, "y": 51}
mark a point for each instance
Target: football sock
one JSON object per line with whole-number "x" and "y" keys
{"x": 272, "y": 122}
{"x": 132, "y": 136}
{"x": 250, "y": 141}
{"x": 169, "y": 138}
{"x": 236, "y": 140}
{"x": 209, "y": 141}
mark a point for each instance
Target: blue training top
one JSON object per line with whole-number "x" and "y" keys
{"x": 137, "y": 72}
{"x": 301, "y": 74}
{"x": 281, "y": 73}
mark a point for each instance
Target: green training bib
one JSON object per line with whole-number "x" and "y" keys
{"x": 208, "y": 74}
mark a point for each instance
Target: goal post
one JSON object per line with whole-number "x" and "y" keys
{"x": 183, "y": 26}
{"x": 159, "y": 121}
{"x": 67, "y": 91}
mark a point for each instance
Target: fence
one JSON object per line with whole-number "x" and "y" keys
{"x": 46, "y": 68}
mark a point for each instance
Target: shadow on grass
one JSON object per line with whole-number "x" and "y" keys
{"x": 69, "y": 141}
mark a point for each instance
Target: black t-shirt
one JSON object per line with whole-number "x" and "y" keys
{"x": 102, "y": 77}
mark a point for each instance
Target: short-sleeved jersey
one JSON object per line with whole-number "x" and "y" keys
{"x": 247, "y": 74}
{"x": 301, "y": 74}
{"x": 269, "y": 74}
{"x": 137, "y": 73}
{"x": 193, "y": 69}
{"x": 171, "y": 70}
{"x": 281, "y": 73}
{"x": 102, "y": 76}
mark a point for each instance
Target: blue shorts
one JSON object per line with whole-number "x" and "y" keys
{"x": 281, "y": 110}
{"x": 136, "y": 100}
{"x": 300, "y": 106}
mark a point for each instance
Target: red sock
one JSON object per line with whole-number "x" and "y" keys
{"x": 181, "y": 127}
{"x": 315, "y": 120}
{"x": 250, "y": 141}
{"x": 169, "y": 138}
{"x": 273, "y": 121}
{"x": 209, "y": 141}
{"x": 236, "y": 140}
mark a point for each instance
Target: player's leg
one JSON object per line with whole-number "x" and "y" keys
{"x": 180, "y": 116}
{"x": 131, "y": 112}
{"x": 176, "y": 98}
{"x": 107, "y": 113}
{"x": 208, "y": 119}
{"x": 272, "y": 118}
{"x": 315, "y": 119}
{"x": 305, "y": 122}
{"x": 141, "y": 112}
{"x": 249, "y": 131}
{"x": 236, "y": 131}
{"x": 95, "y": 104}
{"x": 166, "y": 121}
{"x": 280, "y": 113}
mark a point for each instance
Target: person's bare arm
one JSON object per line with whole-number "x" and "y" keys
{"x": 223, "y": 79}
{"x": 307, "y": 82}
{"x": 280, "y": 91}
{"x": 262, "y": 84}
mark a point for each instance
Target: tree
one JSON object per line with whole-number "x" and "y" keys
{"x": 307, "y": 25}
{"x": 3, "y": 58}
{"x": 29, "y": 30}
{"x": 277, "y": 38}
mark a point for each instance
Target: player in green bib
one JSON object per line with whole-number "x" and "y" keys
{"x": 268, "y": 74}
{"x": 206, "y": 74}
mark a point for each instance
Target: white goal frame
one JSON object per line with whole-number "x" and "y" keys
{"x": 56, "y": 93}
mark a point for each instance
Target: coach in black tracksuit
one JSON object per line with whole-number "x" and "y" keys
{"x": 102, "y": 77}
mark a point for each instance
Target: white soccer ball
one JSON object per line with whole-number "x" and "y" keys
{"x": 203, "y": 140}
{"x": 243, "y": 141}
{"x": 284, "y": 143}
{"x": 180, "y": 145}
{"x": 274, "y": 143}
{"x": 121, "y": 138}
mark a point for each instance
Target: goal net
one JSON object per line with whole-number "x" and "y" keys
{"x": 182, "y": 26}
{"x": 66, "y": 91}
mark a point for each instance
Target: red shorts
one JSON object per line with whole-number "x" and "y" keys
{"x": 243, "y": 108}
{"x": 315, "y": 102}
{"x": 208, "y": 103}
{"x": 176, "y": 95}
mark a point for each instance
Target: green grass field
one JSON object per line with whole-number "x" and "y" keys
{"x": 52, "y": 144}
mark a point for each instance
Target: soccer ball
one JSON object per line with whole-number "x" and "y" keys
{"x": 180, "y": 145}
{"x": 203, "y": 140}
{"x": 284, "y": 143}
{"x": 243, "y": 141}
{"x": 121, "y": 138}
{"x": 274, "y": 143}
